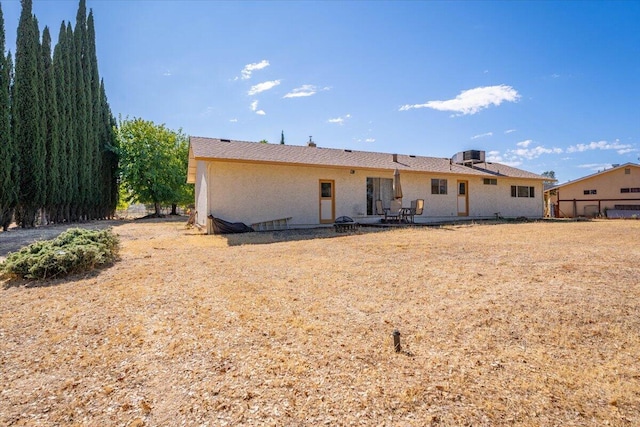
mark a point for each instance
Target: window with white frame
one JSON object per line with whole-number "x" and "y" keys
{"x": 438, "y": 186}
{"x": 522, "y": 191}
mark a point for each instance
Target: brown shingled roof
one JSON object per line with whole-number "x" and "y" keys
{"x": 253, "y": 152}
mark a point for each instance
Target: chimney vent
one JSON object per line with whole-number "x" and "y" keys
{"x": 395, "y": 158}
{"x": 311, "y": 143}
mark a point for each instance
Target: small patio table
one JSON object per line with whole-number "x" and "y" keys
{"x": 404, "y": 215}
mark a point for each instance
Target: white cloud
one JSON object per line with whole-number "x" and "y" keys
{"x": 304, "y": 90}
{"x": 370, "y": 140}
{"x": 482, "y": 135}
{"x": 339, "y": 120}
{"x": 254, "y": 107}
{"x": 496, "y": 157}
{"x": 261, "y": 87}
{"x": 596, "y": 167}
{"x": 535, "y": 152}
{"x": 233, "y": 120}
{"x": 471, "y": 101}
{"x": 601, "y": 145}
{"x": 250, "y": 68}
{"x": 524, "y": 144}
{"x": 516, "y": 157}
{"x": 167, "y": 73}
{"x": 508, "y": 131}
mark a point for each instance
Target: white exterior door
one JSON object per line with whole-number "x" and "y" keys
{"x": 327, "y": 201}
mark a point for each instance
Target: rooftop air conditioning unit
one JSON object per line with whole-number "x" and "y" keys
{"x": 468, "y": 157}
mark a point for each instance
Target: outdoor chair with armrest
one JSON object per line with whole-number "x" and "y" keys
{"x": 389, "y": 213}
{"x": 417, "y": 207}
{"x": 380, "y": 210}
{"x": 396, "y": 212}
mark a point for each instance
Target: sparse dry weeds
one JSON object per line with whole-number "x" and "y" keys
{"x": 533, "y": 324}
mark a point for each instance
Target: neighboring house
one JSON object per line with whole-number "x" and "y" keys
{"x": 613, "y": 192}
{"x": 276, "y": 186}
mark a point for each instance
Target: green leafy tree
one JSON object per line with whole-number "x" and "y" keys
{"x": 8, "y": 154}
{"x": 28, "y": 119}
{"x": 282, "y": 138}
{"x": 153, "y": 163}
{"x": 551, "y": 175}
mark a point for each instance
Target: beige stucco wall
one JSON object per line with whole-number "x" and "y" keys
{"x": 201, "y": 192}
{"x": 486, "y": 200}
{"x": 253, "y": 193}
{"x": 607, "y": 186}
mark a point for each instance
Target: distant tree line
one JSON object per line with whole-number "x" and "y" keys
{"x": 58, "y": 154}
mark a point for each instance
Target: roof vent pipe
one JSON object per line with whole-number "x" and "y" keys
{"x": 311, "y": 143}
{"x": 395, "y": 158}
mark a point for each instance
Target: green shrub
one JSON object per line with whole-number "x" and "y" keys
{"x": 74, "y": 251}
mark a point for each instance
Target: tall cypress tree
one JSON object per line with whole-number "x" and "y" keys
{"x": 82, "y": 110}
{"x": 114, "y": 164}
{"x": 110, "y": 182}
{"x": 61, "y": 73}
{"x": 52, "y": 134}
{"x": 28, "y": 124}
{"x": 93, "y": 122}
{"x": 55, "y": 118}
{"x": 72, "y": 123}
{"x": 8, "y": 155}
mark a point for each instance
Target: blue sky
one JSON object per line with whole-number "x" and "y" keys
{"x": 537, "y": 85}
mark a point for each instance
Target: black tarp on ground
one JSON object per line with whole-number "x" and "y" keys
{"x": 220, "y": 226}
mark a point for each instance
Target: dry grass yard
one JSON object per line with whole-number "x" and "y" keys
{"x": 531, "y": 324}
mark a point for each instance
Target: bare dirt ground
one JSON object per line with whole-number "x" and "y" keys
{"x": 534, "y": 324}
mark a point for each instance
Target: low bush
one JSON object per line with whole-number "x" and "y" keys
{"x": 74, "y": 251}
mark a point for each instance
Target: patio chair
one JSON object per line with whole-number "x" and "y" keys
{"x": 417, "y": 207}
{"x": 381, "y": 210}
{"x": 389, "y": 213}
{"x": 395, "y": 211}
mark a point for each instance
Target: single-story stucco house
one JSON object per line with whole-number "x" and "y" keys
{"x": 270, "y": 186}
{"x": 614, "y": 193}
